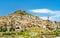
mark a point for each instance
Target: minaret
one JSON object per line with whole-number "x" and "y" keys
{"x": 48, "y": 18}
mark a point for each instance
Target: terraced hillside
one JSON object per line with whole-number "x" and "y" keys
{"x": 20, "y": 23}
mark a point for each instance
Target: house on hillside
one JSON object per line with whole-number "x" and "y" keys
{"x": 12, "y": 27}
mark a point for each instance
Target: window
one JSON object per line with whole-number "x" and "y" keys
{"x": 17, "y": 28}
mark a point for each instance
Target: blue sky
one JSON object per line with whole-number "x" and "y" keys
{"x": 41, "y": 8}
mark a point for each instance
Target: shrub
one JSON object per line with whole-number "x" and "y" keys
{"x": 4, "y": 29}
{"x": 12, "y": 29}
{"x": 6, "y": 33}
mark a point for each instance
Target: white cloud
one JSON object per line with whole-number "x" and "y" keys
{"x": 41, "y": 11}
{"x": 44, "y": 18}
{"x": 52, "y": 18}
{"x": 56, "y": 13}
{"x": 55, "y": 18}
{"x": 45, "y": 11}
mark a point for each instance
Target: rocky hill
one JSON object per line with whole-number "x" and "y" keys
{"x": 20, "y": 24}
{"x": 22, "y": 18}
